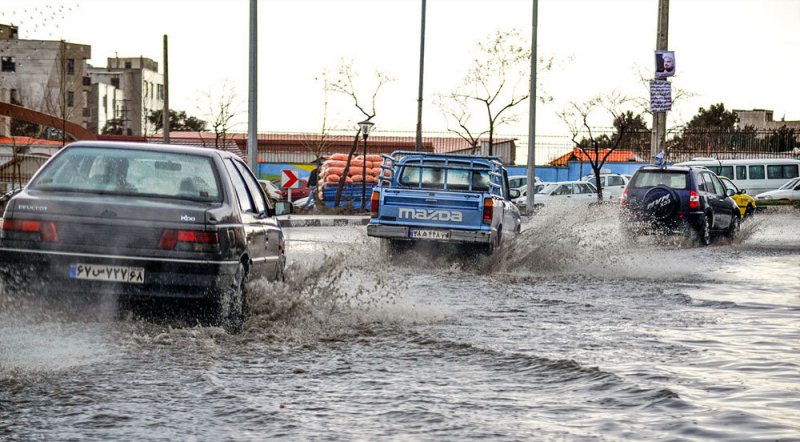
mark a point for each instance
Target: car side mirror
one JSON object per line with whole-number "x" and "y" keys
{"x": 730, "y": 192}
{"x": 742, "y": 191}
{"x": 514, "y": 193}
{"x": 283, "y": 208}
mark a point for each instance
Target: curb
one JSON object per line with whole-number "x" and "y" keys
{"x": 323, "y": 222}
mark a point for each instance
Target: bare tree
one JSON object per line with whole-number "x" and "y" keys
{"x": 597, "y": 147}
{"x": 343, "y": 83}
{"x": 222, "y": 107}
{"x": 496, "y": 82}
{"x": 62, "y": 99}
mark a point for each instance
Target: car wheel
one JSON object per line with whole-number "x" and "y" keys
{"x": 748, "y": 212}
{"x": 734, "y": 227}
{"x": 704, "y": 231}
{"x": 227, "y": 309}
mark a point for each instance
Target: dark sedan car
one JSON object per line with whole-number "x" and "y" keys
{"x": 143, "y": 220}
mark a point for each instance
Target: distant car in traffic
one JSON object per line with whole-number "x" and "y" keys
{"x": 144, "y": 220}
{"x": 788, "y": 193}
{"x": 520, "y": 182}
{"x": 522, "y": 200}
{"x": 679, "y": 199}
{"x": 746, "y": 203}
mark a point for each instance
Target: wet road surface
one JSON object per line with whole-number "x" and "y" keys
{"x": 571, "y": 332}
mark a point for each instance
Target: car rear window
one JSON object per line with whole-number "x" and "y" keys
{"x": 435, "y": 175}
{"x": 653, "y": 178}
{"x": 131, "y": 172}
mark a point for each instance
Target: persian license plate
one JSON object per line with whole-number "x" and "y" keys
{"x": 97, "y": 272}
{"x": 430, "y": 234}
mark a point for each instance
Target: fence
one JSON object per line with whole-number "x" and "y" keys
{"x": 551, "y": 150}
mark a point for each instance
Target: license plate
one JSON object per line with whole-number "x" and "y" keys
{"x": 96, "y": 272}
{"x": 430, "y": 234}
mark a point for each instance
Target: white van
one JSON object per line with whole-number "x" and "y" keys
{"x": 756, "y": 175}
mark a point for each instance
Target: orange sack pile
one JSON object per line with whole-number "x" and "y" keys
{"x": 332, "y": 169}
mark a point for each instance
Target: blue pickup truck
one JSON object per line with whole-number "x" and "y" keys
{"x": 446, "y": 198}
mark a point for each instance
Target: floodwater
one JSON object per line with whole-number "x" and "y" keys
{"x": 571, "y": 332}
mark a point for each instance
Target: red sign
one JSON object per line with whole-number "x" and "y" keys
{"x": 289, "y": 179}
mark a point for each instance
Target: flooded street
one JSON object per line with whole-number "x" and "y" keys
{"x": 571, "y": 332}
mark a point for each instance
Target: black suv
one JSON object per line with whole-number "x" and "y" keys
{"x": 669, "y": 199}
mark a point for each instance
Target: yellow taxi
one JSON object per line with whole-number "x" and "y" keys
{"x": 746, "y": 203}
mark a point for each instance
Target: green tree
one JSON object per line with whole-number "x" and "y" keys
{"x": 178, "y": 121}
{"x": 716, "y": 118}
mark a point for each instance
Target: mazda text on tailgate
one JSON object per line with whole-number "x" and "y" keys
{"x": 442, "y": 198}
{"x": 139, "y": 220}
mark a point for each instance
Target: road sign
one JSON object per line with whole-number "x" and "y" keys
{"x": 289, "y": 179}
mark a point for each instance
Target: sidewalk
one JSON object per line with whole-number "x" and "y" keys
{"x": 323, "y": 220}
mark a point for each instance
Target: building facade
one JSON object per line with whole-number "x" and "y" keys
{"x": 138, "y": 89}
{"x": 45, "y": 76}
{"x": 762, "y": 119}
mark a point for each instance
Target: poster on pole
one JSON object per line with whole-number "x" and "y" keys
{"x": 665, "y": 64}
{"x": 660, "y": 96}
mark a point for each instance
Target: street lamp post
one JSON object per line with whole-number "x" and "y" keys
{"x": 365, "y": 126}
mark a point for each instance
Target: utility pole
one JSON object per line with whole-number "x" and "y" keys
{"x": 660, "y": 118}
{"x": 252, "y": 104}
{"x": 418, "y": 144}
{"x": 165, "y": 112}
{"x": 531, "y": 186}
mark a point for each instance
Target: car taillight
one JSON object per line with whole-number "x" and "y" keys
{"x": 623, "y": 200}
{"x": 488, "y": 205}
{"x": 694, "y": 200}
{"x": 189, "y": 240}
{"x": 374, "y": 202}
{"x": 32, "y": 230}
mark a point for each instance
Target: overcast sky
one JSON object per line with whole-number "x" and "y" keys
{"x": 745, "y": 53}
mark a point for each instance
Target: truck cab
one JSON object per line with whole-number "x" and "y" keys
{"x": 444, "y": 198}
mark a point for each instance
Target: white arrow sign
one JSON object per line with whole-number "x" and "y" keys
{"x": 289, "y": 179}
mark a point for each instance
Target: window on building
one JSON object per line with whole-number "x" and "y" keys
{"x": 12, "y": 96}
{"x": 160, "y": 91}
{"x": 105, "y": 102}
{"x": 128, "y": 65}
{"x": 9, "y": 64}
{"x": 87, "y": 81}
{"x": 115, "y": 82}
{"x": 70, "y": 66}
{"x": 70, "y": 99}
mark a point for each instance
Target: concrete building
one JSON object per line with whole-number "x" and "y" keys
{"x": 762, "y": 119}
{"x": 138, "y": 88}
{"x": 46, "y": 76}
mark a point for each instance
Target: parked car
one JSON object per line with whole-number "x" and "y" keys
{"x": 297, "y": 192}
{"x": 679, "y": 199}
{"x": 144, "y": 220}
{"x": 520, "y": 182}
{"x": 746, "y": 203}
{"x": 613, "y": 184}
{"x": 522, "y": 200}
{"x": 566, "y": 192}
{"x": 788, "y": 193}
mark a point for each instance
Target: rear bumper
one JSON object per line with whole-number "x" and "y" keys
{"x": 456, "y": 236}
{"x": 163, "y": 278}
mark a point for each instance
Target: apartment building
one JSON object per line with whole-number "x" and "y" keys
{"x": 133, "y": 88}
{"x": 44, "y": 75}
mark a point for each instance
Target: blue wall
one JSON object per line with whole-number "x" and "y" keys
{"x": 574, "y": 170}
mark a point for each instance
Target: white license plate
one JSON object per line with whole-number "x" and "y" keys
{"x": 97, "y": 272}
{"x": 430, "y": 234}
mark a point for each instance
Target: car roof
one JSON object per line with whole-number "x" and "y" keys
{"x": 671, "y": 168}
{"x": 171, "y": 148}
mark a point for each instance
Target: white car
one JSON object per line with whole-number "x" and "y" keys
{"x": 271, "y": 189}
{"x": 520, "y": 182}
{"x": 566, "y": 192}
{"x": 522, "y": 200}
{"x": 786, "y": 193}
{"x": 613, "y": 184}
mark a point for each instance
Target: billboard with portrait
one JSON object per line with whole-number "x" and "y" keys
{"x": 665, "y": 64}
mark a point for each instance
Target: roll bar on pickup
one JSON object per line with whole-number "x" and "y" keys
{"x": 392, "y": 163}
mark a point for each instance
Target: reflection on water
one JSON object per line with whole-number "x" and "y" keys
{"x": 571, "y": 331}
